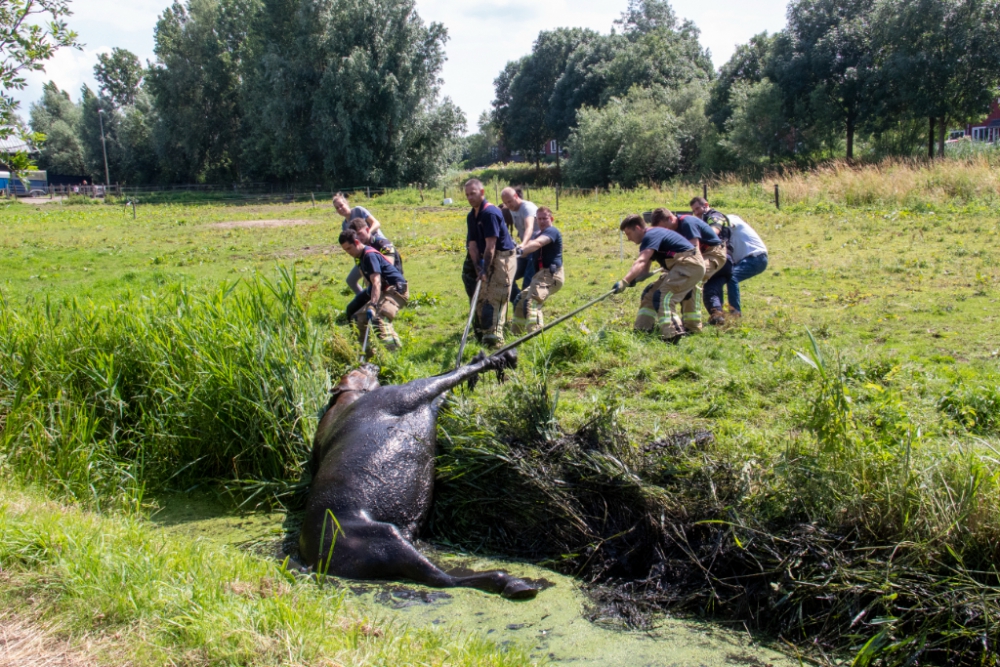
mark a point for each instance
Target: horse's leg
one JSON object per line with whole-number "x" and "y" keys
{"x": 423, "y": 391}
{"x": 375, "y": 550}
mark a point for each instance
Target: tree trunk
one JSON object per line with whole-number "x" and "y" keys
{"x": 930, "y": 140}
{"x": 558, "y": 165}
{"x": 850, "y": 139}
{"x": 942, "y": 131}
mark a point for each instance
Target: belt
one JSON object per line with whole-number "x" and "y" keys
{"x": 504, "y": 253}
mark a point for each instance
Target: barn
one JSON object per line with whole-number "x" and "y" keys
{"x": 989, "y": 128}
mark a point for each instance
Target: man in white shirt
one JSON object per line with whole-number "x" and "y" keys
{"x": 748, "y": 259}
{"x": 523, "y": 213}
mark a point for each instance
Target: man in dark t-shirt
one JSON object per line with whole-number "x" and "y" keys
{"x": 491, "y": 251}
{"x": 380, "y": 243}
{"x": 683, "y": 269}
{"x": 387, "y": 291}
{"x": 713, "y": 253}
{"x": 545, "y": 251}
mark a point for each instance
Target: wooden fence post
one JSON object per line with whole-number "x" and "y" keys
{"x": 777, "y": 200}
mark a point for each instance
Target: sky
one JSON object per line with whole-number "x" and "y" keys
{"x": 483, "y": 36}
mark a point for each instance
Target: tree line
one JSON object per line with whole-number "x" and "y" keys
{"x": 643, "y": 102}
{"x": 299, "y": 91}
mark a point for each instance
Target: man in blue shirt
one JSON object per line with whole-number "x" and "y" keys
{"x": 387, "y": 291}
{"x": 380, "y": 243}
{"x": 683, "y": 270}
{"x": 491, "y": 251}
{"x": 544, "y": 251}
{"x": 711, "y": 248}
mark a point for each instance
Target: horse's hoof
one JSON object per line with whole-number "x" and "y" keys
{"x": 519, "y": 590}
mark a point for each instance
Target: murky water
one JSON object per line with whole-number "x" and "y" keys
{"x": 551, "y": 626}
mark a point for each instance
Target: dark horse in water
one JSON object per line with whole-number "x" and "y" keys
{"x": 373, "y": 466}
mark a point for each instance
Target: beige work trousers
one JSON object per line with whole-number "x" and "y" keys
{"x": 390, "y": 302}
{"x": 528, "y": 308}
{"x": 491, "y": 309}
{"x": 683, "y": 273}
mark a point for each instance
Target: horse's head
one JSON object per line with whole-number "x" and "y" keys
{"x": 354, "y": 384}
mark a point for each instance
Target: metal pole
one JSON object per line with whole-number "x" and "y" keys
{"x": 104, "y": 147}
{"x": 364, "y": 344}
{"x": 525, "y": 339}
{"x": 468, "y": 323}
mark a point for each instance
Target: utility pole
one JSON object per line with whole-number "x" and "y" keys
{"x": 104, "y": 147}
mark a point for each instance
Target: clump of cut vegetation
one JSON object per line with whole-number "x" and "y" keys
{"x": 858, "y": 535}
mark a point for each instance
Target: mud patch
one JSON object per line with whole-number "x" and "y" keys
{"x": 264, "y": 224}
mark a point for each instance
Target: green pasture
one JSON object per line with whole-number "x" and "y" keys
{"x": 917, "y": 288}
{"x": 858, "y": 396}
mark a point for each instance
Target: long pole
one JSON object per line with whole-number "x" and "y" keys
{"x": 364, "y": 344}
{"x": 525, "y": 339}
{"x": 468, "y": 323}
{"x": 104, "y": 147}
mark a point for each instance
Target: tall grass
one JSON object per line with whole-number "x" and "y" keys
{"x": 906, "y": 183}
{"x": 171, "y": 388}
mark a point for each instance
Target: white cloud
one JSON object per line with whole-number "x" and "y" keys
{"x": 483, "y": 36}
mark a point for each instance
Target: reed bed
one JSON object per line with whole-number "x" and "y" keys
{"x": 167, "y": 389}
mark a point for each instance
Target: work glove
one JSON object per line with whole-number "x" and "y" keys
{"x": 518, "y": 251}
{"x": 370, "y": 312}
{"x": 620, "y": 287}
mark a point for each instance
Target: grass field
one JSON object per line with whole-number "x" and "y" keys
{"x": 886, "y": 431}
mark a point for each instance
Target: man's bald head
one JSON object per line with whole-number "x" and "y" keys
{"x": 511, "y": 198}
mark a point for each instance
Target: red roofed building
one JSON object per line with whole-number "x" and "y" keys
{"x": 989, "y": 128}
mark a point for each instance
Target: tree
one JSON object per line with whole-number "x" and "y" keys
{"x": 90, "y": 130}
{"x": 119, "y": 76}
{"x": 644, "y": 16}
{"x": 583, "y": 82}
{"x": 500, "y": 114}
{"x": 533, "y": 86}
{"x": 747, "y": 64}
{"x": 825, "y": 64}
{"x": 756, "y": 127}
{"x": 31, "y": 31}
{"x": 346, "y": 91}
{"x": 668, "y": 56}
{"x": 195, "y": 85}
{"x": 57, "y": 117}
{"x": 632, "y": 140}
{"x": 482, "y": 148}
{"x": 940, "y": 60}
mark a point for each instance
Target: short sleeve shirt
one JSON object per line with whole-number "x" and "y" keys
{"x": 693, "y": 228}
{"x": 372, "y": 263}
{"x": 664, "y": 242}
{"x": 364, "y": 214}
{"x": 550, "y": 253}
{"x": 527, "y": 210}
{"x": 487, "y": 224}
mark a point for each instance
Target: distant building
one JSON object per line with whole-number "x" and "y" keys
{"x": 989, "y": 128}
{"x": 552, "y": 148}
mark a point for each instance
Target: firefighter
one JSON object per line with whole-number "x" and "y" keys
{"x": 545, "y": 254}
{"x": 491, "y": 252}
{"x": 709, "y": 246}
{"x": 387, "y": 291}
{"x": 683, "y": 270}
